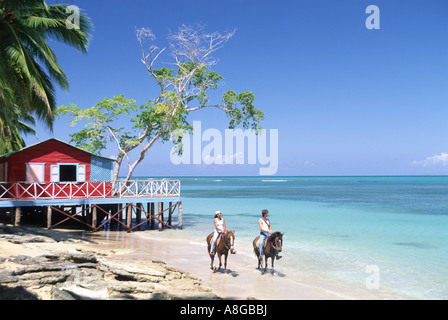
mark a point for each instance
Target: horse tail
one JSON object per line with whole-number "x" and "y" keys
{"x": 254, "y": 244}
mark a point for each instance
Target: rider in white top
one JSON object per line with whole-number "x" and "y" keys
{"x": 265, "y": 225}
{"x": 265, "y": 231}
{"x": 220, "y": 226}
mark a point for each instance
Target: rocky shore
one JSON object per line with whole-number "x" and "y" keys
{"x": 41, "y": 264}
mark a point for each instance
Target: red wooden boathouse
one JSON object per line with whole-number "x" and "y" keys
{"x": 54, "y": 161}
{"x": 61, "y": 177}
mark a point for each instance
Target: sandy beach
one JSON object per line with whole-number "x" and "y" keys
{"x": 163, "y": 252}
{"x": 242, "y": 280}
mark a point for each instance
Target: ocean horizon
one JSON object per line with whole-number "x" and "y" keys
{"x": 354, "y": 229}
{"x": 386, "y": 232}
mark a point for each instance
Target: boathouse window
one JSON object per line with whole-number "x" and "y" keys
{"x": 3, "y": 172}
{"x": 35, "y": 172}
{"x": 68, "y": 173}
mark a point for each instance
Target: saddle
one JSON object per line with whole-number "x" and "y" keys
{"x": 218, "y": 241}
{"x": 264, "y": 242}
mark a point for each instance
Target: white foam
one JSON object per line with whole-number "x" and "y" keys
{"x": 202, "y": 244}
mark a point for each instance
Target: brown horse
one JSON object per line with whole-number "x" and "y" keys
{"x": 224, "y": 243}
{"x": 272, "y": 244}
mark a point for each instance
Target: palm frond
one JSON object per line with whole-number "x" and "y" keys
{"x": 28, "y": 66}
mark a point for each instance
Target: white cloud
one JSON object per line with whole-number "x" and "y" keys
{"x": 435, "y": 160}
{"x": 308, "y": 163}
{"x": 221, "y": 159}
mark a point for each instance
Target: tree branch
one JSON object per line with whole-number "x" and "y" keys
{"x": 223, "y": 108}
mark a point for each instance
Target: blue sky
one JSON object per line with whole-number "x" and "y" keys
{"x": 345, "y": 100}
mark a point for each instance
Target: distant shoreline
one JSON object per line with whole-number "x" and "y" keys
{"x": 283, "y": 177}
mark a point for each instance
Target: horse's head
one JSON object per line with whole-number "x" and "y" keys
{"x": 277, "y": 240}
{"x": 230, "y": 240}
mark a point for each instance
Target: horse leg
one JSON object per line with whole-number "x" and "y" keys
{"x": 219, "y": 256}
{"x": 225, "y": 262}
{"x": 212, "y": 257}
{"x": 257, "y": 253}
{"x": 209, "y": 244}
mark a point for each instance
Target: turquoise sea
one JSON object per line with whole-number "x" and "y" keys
{"x": 348, "y": 226}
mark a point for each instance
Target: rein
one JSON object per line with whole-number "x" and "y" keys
{"x": 225, "y": 244}
{"x": 273, "y": 245}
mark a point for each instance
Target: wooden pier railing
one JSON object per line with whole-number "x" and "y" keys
{"x": 89, "y": 190}
{"x": 145, "y": 188}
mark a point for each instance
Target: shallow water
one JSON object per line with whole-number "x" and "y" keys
{"x": 242, "y": 279}
{"x": 339, "y": 228}
{"x": 345, "y": 237}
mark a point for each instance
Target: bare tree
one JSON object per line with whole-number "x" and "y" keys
{"x": 184, "y": 87}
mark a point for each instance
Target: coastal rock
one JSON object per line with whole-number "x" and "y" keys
{"x": 23, "y": 260}
{"x": 58, "y": 294}
{"x": 141, "y": 273}
{"x": 7, "y": 277}
{"x": 18, "y": 239}
{"x": 42, "y": 278}
{"x": 71, "y": 257}
{"x": 66, "y": 275}
{"x": 20, "y": 236}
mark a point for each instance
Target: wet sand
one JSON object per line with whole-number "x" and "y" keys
{"x": 242, "y": 280}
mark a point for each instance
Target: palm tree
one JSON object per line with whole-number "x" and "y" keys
{"x": 14, "y": 130}
{"x": 13, "y": 123}
{"x": 28, "y": 66}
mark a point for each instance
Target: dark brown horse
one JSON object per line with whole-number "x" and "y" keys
{"x": 272, "y": 244}
{"x": 224, "y": 243}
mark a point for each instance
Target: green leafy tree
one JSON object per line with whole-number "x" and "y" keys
{"x": 28, "y": 66}
{"x": 185, "y": 88}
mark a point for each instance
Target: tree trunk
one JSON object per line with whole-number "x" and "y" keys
{"x": 142, "y": 156}
{"x": 116, "y": 170}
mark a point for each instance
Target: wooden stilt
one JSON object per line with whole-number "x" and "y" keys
{"x": 129, "y": 217}
{"x": 148, "y": 210}
{"x": 94, "y": 218}
{"x": 170, "y": 213}
{"x": 179, "y": 215}
{"x": 18, "y": 214}
{"x": 152, "y": 214}
{"x": 138, "y": 213}
{"x": 49, "y": 214}
{"x": 160, "y": 208}
{"x": 120, "y": 216}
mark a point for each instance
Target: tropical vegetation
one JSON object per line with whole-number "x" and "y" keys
{"x": 29, "y": 69}
{"x": 183, "y": 86}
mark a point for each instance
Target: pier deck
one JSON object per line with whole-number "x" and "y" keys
{"x": 135, "y": 197}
